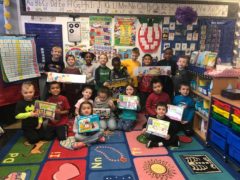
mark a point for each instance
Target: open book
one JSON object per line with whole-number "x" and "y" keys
{"x": 175, "y": 112}
{"x": 45, "y": 109}
{"x": 157, "y": 127}
{"x": 88, "y": 123}
{"x": 128, "y": 102}
{"x": 103, "y": 113}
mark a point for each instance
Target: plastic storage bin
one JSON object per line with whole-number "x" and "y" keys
{"x": 233, "y": 140}
{"x": 236, "y": 119}
{"x": 220, "y": 118}
{"x": 221, "y": 105}
{"x": 218, "y": 140}
{"x": 234, "y": 153}
{"x": 221, "y": 112}
{"x": 236, "y": 111}
{"x": 235, "y": 127}
{"x": 220, "y": 128}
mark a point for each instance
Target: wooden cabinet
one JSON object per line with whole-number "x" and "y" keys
{"x": 203, "y": 87}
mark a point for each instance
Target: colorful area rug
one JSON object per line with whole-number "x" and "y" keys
{"x": 121, "y": 157}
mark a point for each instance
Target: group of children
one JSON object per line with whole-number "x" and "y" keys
{"x": 154, "y": 93}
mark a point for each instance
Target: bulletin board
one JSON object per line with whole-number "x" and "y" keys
{"x": 48, "y": 35}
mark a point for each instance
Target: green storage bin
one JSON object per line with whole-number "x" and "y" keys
{"x": 220, "y": 118}
{"x": 235, "y": 127}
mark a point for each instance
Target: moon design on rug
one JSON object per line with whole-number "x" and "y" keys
{"x": 159, "y": 169}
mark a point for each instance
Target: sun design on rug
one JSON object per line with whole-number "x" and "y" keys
{"x": 159, "y": 169}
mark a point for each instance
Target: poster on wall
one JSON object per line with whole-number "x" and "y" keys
{"x": 84, "y": 28}
{"x": 100, "y": 30}
{"x": 149, "y": 35}
{"x": 124, "y": 31}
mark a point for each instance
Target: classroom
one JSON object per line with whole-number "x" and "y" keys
{"x": 117, "y": 89}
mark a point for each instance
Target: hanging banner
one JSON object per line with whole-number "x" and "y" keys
{"x": 125, "y": 31}
{"x": 100, "y": 30}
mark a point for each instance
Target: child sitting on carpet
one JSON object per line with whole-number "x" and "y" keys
{"x": 171, "y": 139}
{"x": 86, "y": 93}
{"x": 31, "y": 124}
{"x": 103, "y": 100}
{"x": 127, "y": 117}
{"x": 87, "y": 138}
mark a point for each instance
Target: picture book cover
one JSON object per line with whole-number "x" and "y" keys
{"x": 128, "y": 102}
{"x": 88, "y": 123}
{"x": 103, "y": 113}
{"x": 115, "y": 83}
{"x": 66, "y": 78}
{"x": 153, "y": 70}
{"x": 194, "y": 57}
{"x": 45, "y": 109}
{"x": 175, "y": 112}
{"x": 201, "y": 58}
{"x": 211, "y": 59}
{"x": 157, "y": 127}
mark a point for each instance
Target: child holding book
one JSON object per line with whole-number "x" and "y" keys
{"x": 71, "y": 90}
{"x": 144, "y": 81}
{"x": 182, "y": 74}
{"x": 103, "y": 100}
{"x": 59, "y": 124}
{"x": 31, "y": 124}
{"x": 102, "y": 73}
{"x": 171, "y": 139}
{"x": 86, "y": 95}
{"x": 128, "y": 117}
{"x": 132, "y": 64}
{"x": 87, "y": 138}
{"x": 189, "y": 108}
{"x": 156, "y": 96}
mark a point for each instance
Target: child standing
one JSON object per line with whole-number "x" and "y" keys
{"x": 155, "y": 97}
{"x": 171, "y": 139}
{"x": 166, "y": 80}
{"x": 59, "y": 124}
{"x": 102, "y": 72}
{"x": 31, "y": 124}
{"x": 182, "y": 74}
{"x": 71, "y": 90}
{"x": 86, "y": 93}
{"x": 128, "y": 117}
{"x": 53, "y": 65}
{"x": 132, "y": 64}
{"x": 89, "y": 69}
{"x": 88, "y": 138}
{"x": 144, "y": 81}
{"x": 103, "y": 100}
{"x": 187, "y": 102}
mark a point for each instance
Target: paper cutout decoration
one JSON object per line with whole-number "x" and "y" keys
{"x": 88, "y": 123}
{"x": 149, "y": 37}
{"x": 157, "y": 127}
{"x": 45, "y": 109}
{"x": 175, "y": 112}
{"x": 66, "y": 78}
{"x": 128, "y": 102}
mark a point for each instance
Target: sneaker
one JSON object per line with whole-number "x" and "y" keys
{"x": 78, "y": 145}
{"x": 150, "y": 144}
{"x": 102, "y": 139}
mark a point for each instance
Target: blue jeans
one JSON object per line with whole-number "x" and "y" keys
{"x": 125, "y": 124}
{"x": 89, "y": 139}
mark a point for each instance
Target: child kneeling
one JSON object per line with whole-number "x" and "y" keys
{"x": 87, "y": 138}
{"x": 171, "y": 139}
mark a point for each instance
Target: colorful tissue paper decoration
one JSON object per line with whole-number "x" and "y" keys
{"x": 185, "y": 15}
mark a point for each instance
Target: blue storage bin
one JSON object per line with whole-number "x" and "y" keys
{"x": 234, "y": 153}
{"x": 218, "y": 140}
{"x": 233, "y": 140}
{"x": 220, "y": 128}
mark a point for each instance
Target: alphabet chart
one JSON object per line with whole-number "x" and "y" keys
{"x": 18, "y": 58}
